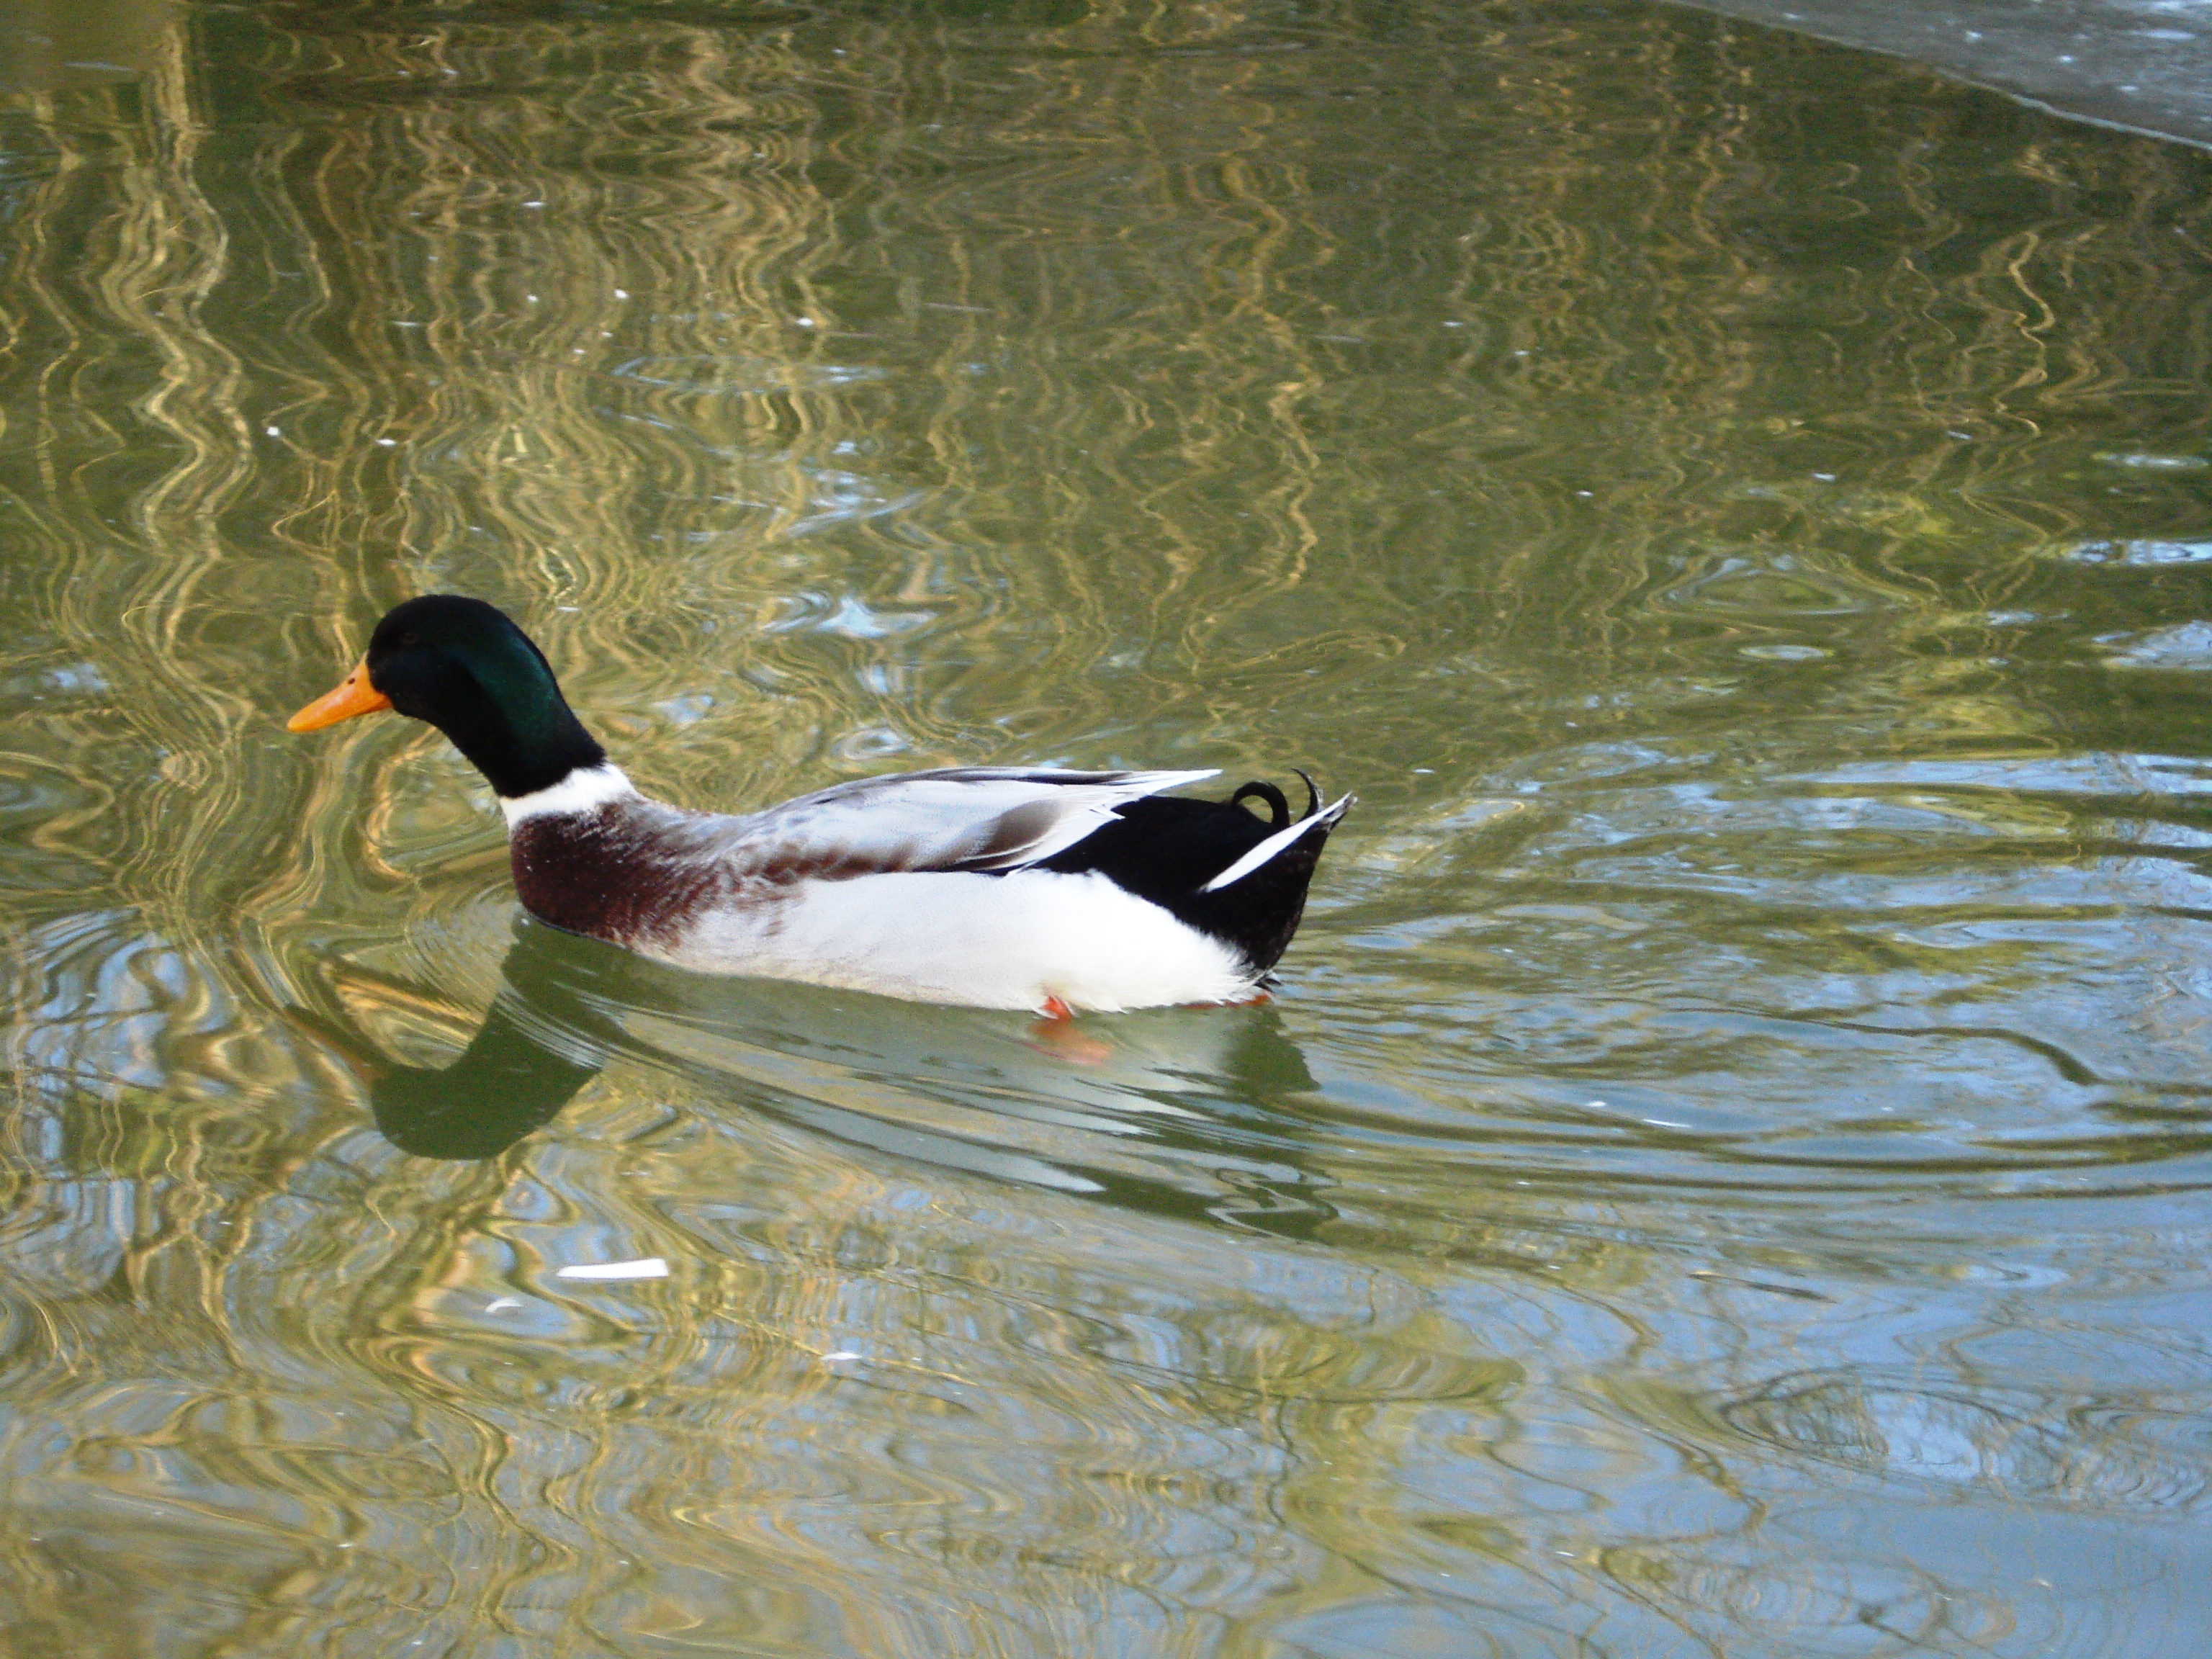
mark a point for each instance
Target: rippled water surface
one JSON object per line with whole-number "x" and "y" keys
{"x": 1725, "y": 1173}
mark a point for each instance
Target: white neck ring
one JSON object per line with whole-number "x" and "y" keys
{"x": 584, "y": 790}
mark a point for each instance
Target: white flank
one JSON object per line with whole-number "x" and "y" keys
{"x": 1009, "y": 941}
{"x": 585, "y": 790}
{"x": 1280, "y": 842}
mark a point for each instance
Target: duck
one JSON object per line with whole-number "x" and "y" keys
{"x": 1045, "y": 888}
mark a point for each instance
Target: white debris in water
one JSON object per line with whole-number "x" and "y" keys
{"x": 651, "y": 1267}
{"x": 2185, "y": 648}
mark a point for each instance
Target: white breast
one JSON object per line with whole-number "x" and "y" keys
{"x": 1009, "y": 941}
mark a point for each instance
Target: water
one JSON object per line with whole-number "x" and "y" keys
{"x": 1725, "y": 1173}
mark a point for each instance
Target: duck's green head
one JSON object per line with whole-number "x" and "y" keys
{"x": 462, "y": 666}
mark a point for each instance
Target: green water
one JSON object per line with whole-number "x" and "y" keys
{"x": 1725, "y": 1173}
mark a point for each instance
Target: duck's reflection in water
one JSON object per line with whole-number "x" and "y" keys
{"x": 539, "y": 1044}
{"x": 1192, "y": 1110}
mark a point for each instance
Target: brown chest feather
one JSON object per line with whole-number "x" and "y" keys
{"x": 603, "y": 874}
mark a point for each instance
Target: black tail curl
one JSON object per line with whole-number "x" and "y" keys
{"x": 1278, "y": 808}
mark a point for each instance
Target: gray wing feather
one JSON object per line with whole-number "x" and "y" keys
{"x": 969, "y": 818}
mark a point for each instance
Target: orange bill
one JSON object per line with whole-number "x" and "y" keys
{"x": 355, "y": 695}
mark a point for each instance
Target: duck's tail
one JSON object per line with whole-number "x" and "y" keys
{"x": 1256, "y": 901}
{"x": 1317, "y": 822}
{"x": 1213, "y": 866}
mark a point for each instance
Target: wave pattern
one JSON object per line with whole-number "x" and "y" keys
{"x": 1726, "y": 1175}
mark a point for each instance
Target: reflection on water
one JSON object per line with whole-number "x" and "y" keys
{"x": 1726, "y": 1172}
{"x": 510, "y": 1079}
{"x": 1199, "y": 1093}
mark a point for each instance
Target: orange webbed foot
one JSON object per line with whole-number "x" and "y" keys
{"x": 1055, "y": 1033}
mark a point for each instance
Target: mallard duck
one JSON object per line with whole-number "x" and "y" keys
{"x": 996, "y": 887}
